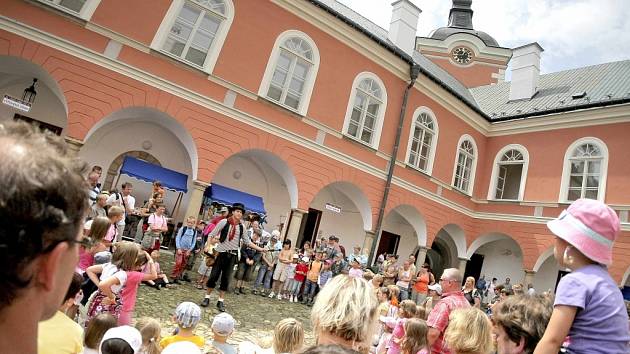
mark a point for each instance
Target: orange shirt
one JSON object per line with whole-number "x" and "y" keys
{"x": 313, "y": 273}
{"x": 422, "y": 285}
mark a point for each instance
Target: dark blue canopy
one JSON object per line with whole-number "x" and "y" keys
{"x": 229, "y": 196}
{"x": 147, "y": 172}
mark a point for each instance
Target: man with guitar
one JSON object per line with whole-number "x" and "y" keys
{"x": 231, "y": 236}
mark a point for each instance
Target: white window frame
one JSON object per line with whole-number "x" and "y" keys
{"x": 473, "y": 167}
{"x": 217, "y": 43}
{"x": 309, "y": 83}
{"x": 433, "y": 148}
{"x": 378, "y": 125}
{"x": 495, "y": 172}
{"x": 566, "y": 168}
{"x": 86, "y": 11}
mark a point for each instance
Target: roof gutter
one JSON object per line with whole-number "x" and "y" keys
{"x": 541, "y": 113}
{"x": 399, "y": 53}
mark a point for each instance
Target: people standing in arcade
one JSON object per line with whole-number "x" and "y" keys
{"x": 231, "y": 235}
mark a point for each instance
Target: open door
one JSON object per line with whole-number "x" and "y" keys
{"x": 309, "y": 229}
{"x": 473, "y": 267}
{"x": 388, "y": 243}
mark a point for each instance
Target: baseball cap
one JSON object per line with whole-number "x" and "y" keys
{"x": 436, "y": 287}
{"x": 223, "y": 209}
{"x": 127, "y": 333}
{"x": 183, "y": 347}
{"x": 187, "y": 314}
{"x": 590, "y": 226}
{"x": 275, "y": 234}
{"x": 223, "y": 324}
{"x": 305, "y": 259}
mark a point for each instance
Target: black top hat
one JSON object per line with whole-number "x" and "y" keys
{"x": 238, "y": 206}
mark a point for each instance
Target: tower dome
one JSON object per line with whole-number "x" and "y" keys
{"x": 460, "y": 21}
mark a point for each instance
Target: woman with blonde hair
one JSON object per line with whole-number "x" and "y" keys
{"x": 345, "y": 313}
{"x": 469, "y": 331}
{"x": 470, "y": 292}
{"x": 151, "y": 332}
{"x": 288, "y": 336}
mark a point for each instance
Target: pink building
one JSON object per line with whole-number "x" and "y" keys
{"x": 300, "y": 101}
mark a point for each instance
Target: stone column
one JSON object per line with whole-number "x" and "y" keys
{"x": 294, "y": 225}
{"x": 196, "y": 198}
{"x": 529, "y": 278}
{"x": 74, "y": 145}
{"x": 368, "y": 241}
{"x": 422, "y": 256}
{"x": 462, "y": 265}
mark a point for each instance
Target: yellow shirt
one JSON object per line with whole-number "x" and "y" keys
{"x": 197, "y": 340}
{"x": 59, "y": 335}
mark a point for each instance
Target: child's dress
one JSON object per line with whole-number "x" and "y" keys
{"x": 128, "y": 295}
{"x": 397, "y": 335}
{"x": 96, "y": 306}
{"x": 601, "y": 320}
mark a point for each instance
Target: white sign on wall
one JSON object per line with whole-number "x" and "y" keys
{"x": 333, "y": 208}
{"x": 16, "y": 103}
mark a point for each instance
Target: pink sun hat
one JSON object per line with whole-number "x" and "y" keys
{"x": 590, "y": 226}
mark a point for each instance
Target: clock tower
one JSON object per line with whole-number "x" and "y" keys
{"x": 472, "y": 57}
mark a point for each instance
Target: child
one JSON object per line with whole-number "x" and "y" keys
{"x": 222, "y": 328}
{"x": 325, "y": 275}
{"x": 394, "y": 291}
{"x": 377, "y": 282}
{"x": 150, "y": 330}
{"x": 280, "y": 274}
{"x": 421, "y": 312}
{"x": 470, "y": 331}
{"x": 300, "y": 275}
{"x": 288, "y": 336}
{"x": 292, "y": 285}
{"x": 407, "y": 310}
{"x": 121, "y": 340}
{"x": 355, "y": 269}
{"x": 310, "y": 287}
{"x": 108, "y": 298}
{"x": 129, "y": 291}
{"x": 187, "y": 316}
{"x": 162, "y": 280}
{"x": 158, "y": 224}
{"x": 204, "y": 268}
{"x": 383, "y": 297}
{"x": 185, "y": 242}
{"x": 98, "y": 230}
{"x": 265, "y": 271}
{"x": 115, "y": 214}
{"x": 415, "y": 339}
{"x": 95, "y": 330}
{"x": 589, "y": 307}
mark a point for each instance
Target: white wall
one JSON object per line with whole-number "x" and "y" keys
{"x": 497, "y": 263}
{"x": 122, "y": 136}
{"x": 256, "y": 178}
{"x": 348, "y": 224}
{"x": 46, "y": 108}
{"x": 546, "y": 276}
{"x": 398, "y": 225}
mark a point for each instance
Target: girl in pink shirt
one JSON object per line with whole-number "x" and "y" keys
{"x": 130, "y": 289}
{"x": 415, "y": 340}
{"x": 98, "y": 229}
{"x": 407, "y": 311}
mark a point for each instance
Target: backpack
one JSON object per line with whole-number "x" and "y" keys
{"x": 226, "y": 228}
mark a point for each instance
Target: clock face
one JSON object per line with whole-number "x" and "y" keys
{"x": 462, "y": 55}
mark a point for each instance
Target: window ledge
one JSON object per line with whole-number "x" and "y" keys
{"x": 181, "y": 62}
{"x": 354, "y": 140}
{"x": 280, "y": 107}
{"x": 60, "y": 10}
{"x": 504, "y": 201}
{"x": 422, "y": 172}
{"x": 455, "y": 189}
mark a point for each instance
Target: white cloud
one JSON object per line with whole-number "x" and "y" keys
{"x": 574, "y": 33}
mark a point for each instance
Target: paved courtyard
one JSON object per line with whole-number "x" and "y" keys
{"x": 255, "y": 315}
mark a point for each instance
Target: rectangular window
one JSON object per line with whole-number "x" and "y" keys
{"x": 71, "y": 5}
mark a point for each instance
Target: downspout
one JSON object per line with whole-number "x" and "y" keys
{"x": 414, "y": 71}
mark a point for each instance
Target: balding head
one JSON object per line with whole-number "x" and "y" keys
{"x": 451, "y": 280}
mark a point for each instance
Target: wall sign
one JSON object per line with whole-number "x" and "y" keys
{"x": 16, "y": 103}
{"x": 333, "y": 208}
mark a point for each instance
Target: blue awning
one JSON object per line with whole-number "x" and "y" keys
{"x": 229, "y": 196}
{"x": 148, "y": 172}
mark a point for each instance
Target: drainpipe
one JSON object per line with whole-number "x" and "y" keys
{"x": 414, "y": 71}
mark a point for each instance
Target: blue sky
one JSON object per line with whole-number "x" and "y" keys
{"x": 574, "y": 33}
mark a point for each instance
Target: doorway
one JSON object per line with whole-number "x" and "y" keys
{"x": 388, "y": 243}
{"x": 309, "y": 228}
{"x": 473, "y": 266}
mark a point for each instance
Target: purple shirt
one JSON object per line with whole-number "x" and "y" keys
{"x": 601, "y": 321}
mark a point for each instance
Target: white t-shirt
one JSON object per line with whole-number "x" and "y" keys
{"x": 130, "y": 201}
{"x": 110, "y": 270}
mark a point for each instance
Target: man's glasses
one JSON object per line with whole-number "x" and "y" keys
{"x": 84, "y": 241}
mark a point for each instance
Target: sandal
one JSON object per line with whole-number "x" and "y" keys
{"x": 199, "y": 286}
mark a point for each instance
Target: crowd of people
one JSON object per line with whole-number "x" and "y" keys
{"x": 70, "y": 286}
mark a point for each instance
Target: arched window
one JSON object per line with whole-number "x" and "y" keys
{"x": 422, "y": 140}
{"x": 366, "y": 109}
{"x": 194, "y": 31}
{"x": 465, "y": 164}
{"x": 509, "y": 173}
{"x": 291, "y": 71}
{"x": 584, "y": 172}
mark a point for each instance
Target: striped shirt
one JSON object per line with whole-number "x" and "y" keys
{"x": 228, "y": 245}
